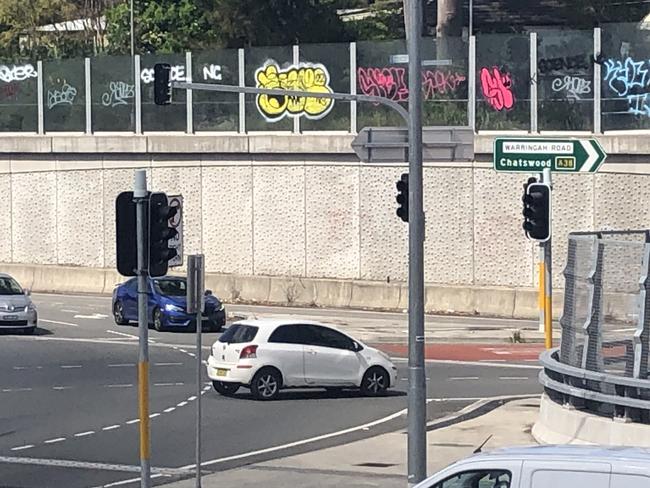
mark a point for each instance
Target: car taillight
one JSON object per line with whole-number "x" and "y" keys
{"x": 248, "y": 352}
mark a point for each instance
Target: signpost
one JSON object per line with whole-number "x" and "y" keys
{"x": 546, "y": 156}
{"x": 533, "y": 155}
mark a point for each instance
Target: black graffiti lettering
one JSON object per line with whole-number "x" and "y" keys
{"x": 567, "y": 63}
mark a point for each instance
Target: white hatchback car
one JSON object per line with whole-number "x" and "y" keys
{"x": 268, "y": 355}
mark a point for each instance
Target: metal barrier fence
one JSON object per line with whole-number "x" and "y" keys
{"x": 552, "y": 80}
{"x": 602, "y": 362}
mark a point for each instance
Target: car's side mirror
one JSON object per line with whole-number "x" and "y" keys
{"x": 356, "y": 347}
{"x": 27, "y": 291}
{"x": 208, "y": 292}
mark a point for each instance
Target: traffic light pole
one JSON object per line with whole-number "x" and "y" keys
{"x": 548, "y": 271}
{"x": 417, "y": 400}
{"x": 140, "y": 198}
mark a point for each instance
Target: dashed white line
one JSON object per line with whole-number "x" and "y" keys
{"x": 134, "y": 421}
{"x": 111, "y": 427}
{"x": 22, "y": 448}
{"x": 463, "y": 378}
{"x": 70, "y": 366}
{"x": 69, "y": 311}
{"x": 7, "y": 390}
{"x": 492, "y": 360}
{"x": 170, "y": 409}
{"x": 168, "y": 384}
{"x": 182, "y": 404}
{"x": 168, "y": 364}
{"x": 20, "y": 368}
{"x": 130, "y": 336}
{"x": 191, "y": 399}
{"x": 183, "y": 350}
{"x": 513, "y": 377}
{"x": 84, "y": 434}
{"x": 154, "y": 415}
{"x": 121, "y": 365}
{"x": 54, "y": 441}
{"x": 191, "y": 354}
{"x": 129, "y": 385}
{"x": 61, "y": 388}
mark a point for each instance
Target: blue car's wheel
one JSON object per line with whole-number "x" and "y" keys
{"x": 158, "y": 320}
{"x": 118, "y": 314}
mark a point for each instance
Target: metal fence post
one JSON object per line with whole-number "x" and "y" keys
{"x": 88, "y": 92}
{"x": 642, "y": 334}
{"x": 597, "y": 84}
{"x": 591, "y": 357}
{"x": 189, "y": 100}
{"x": 568, "y": 352}
{"x": 241, "y": 62}
{"x": 471, "y": 84}
{"x": 533, "y": 82}
{"x": 353, "y": 87}
{"x": 296, "y": 60}
{"x": 137, "y": 102}
{"x": 39, "y": 97}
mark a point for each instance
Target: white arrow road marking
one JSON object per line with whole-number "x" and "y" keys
{"x": 592, "y": 157}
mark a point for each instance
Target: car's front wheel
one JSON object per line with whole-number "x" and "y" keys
{"x": 266, "y": 384}
{"x": 375, "y": 381}
{"x": 158, "y": 320}
{"x": 224, "y": 388}
{"x": 118, "y": 314}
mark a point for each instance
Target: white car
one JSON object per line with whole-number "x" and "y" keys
{"x": 268, "y": 355}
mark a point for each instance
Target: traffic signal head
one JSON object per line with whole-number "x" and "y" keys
{"x": 162, "y": 87}
{"x": 160, "y": 232}
{"x": 537, "y": 210}
{"x": 403, "y": 197}
{"x": 125, "y": 232}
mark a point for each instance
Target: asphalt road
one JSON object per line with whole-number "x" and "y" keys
{"x": 68, "y": 403}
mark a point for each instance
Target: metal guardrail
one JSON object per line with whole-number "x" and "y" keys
{"x": 595, "y": 392}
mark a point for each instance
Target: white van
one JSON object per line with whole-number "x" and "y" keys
{"x": 548, "y": 467}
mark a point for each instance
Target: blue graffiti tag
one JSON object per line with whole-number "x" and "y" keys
{"x": 623, "y": 76}
{"x": 629, "y": 80}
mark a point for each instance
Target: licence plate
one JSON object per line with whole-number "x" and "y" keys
{"x": 10, "y": 317}
{"x": 222, "y": 372}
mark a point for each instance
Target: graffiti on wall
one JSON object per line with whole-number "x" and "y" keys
{"x": 390, "y": 82}
{"x": 64, "y": 95}
{"x": 496, "y": 87}
{"x": 309, "y": 77}
{"x": 9, "y": 74}
{"x": 210, "y": 72}
{"x": 118, "y": 93}
{"x": 628, "y": 80}
{"x": 562, "y": 64}
{"x": 574, "y": 87}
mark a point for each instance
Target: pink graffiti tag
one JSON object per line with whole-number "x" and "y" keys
{"x": 390, "y": 82}
{"x": 497, "y": 88}
{"x": 384, "y": 82}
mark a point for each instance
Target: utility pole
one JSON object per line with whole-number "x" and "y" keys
{"x": 417, "y": 414}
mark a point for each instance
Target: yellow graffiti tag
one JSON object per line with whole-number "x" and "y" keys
{"x": 303, "y": 77}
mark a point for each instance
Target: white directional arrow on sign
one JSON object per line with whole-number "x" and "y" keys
{"x": 592, "y": 157}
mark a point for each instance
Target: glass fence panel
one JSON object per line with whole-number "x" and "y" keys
{"x": 215, "y": 111}
{"x": 64, "y": 95}
{"x": 625, "y": 65}
{"x": 503, "y": 82}
{"x": 266, "y": 67}
{"x": 163, "y": 118}
{"x": 565, "y": 76}
{"x": 112, "y": 94}
{"x": 325, "y": 67}
{"x": 18, "y": 97}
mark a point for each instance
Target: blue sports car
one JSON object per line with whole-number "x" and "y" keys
{"x": 167, "y": 305}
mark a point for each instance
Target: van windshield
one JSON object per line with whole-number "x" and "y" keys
{"x": 239, "y": 333}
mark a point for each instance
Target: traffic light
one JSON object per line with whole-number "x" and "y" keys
{"x": 403, "y": 197}
{"x": 537, "y": 210}
{"x": 160, "y": 233}
{"x": 162, "y": 87}
{"x": 126, "y": 244}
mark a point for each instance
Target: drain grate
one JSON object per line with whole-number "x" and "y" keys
{"x": 375, "y": 465}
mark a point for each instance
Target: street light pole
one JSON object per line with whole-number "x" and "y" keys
{"x": 417, "y": 415}
{"x": 132, "y": 32}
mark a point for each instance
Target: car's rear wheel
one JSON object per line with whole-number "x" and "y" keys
{"x": 118, "y": 314}
{"x": 225, "y": 388}
{"x": 375, "y": 381}
{"x": 266, "y": 384}
{"x": 158, "y": 320}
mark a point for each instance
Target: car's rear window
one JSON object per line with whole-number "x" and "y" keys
{"x": 238, "y": 333}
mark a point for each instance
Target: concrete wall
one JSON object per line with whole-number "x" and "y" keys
{"x": 302, "y": 207}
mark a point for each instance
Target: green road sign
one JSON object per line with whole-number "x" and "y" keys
{"x": 560, "y": 155}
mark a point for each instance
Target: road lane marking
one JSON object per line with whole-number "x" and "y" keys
{"x": 134, "y": 421}
{"x": 130, "y": 336}
{"x": 111, "y": 427}
{"x": 84, "y": 434}
{"x": 7, "y": 390}
{"x": 61, "y": 387}
{"x": 20, "y": 368}
{"x": 168, "y": 384}
{"x": 170, "y": 409}
{"x": 132, "y": 480}
{"x": 191, "y": 399}
{"x": 126, "y": 385}
{"x": 54, "y": 441}
{"x": 181, "y": 404}
{"x": 463, "y": 378}
{"x": 95, "y": 316}
{"x": 70, "y": 366}
{"x": 69, "y": 310}
{"x": 154, "y": 415}
{"x": 22, "y": 448}
{"x": 494, "y": 363}
{"x": 514, "y": 378}
{"x": 122, "y": 365}
{"x": 57, "y": 322}
{"x": 168, "y": 364}
{"x": 65, "y": 463}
